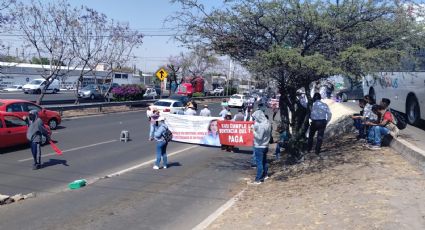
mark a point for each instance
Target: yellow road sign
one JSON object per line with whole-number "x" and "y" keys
{"x": 161, "y": 74}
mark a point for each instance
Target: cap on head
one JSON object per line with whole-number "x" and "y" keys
{"x": 32, "y": 115}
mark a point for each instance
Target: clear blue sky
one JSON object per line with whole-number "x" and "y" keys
{"x": 148, "y": 17}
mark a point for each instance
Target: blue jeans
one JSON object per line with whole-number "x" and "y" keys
{"x": 277, "y": 152}
{"x": 376, "y": 133}
{"x": 358, "y": 124}
{"x": 253, "y": 161}
{"x": 261, "y": 158}
{"x": 36, "y": 152}
{"x": 151, "y": 130}
{"x": 161, "y": 152}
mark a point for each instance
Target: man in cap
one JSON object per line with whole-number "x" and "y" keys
{"x": 35, "y": 133}
{"x": 205, "y": 112}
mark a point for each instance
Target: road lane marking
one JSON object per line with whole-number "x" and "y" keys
{"x": 147, "y": 162}
{"x": 69, "y": 150}
{"x": 211, "y": 218}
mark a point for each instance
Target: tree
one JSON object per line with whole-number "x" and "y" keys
{"x": 46, "y": 30}
{"x": 298, "y": 42}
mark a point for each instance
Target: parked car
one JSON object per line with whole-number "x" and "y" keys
{"x": 237, "y": 100}
{"x": 150, "y": 93}
{"x": 353, "y": 93}
{"x": 183, "y": 99}
{"x": 37, "y": 85}
{"x": 169, "y": 106}
{"x": 21, "y": 108}
{"x": 13, "y": 130}
{"x": 91, "y": 92}
{"x": 218, "y": 90}
{"x": 14, "y": 88}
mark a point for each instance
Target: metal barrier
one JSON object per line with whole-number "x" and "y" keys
{"x": 100, "y": 105}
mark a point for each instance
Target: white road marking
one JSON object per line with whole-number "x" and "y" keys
{"x": 69, "y": 150}
{"x": 147, "y": 162}
{"x": 211, "y": 218}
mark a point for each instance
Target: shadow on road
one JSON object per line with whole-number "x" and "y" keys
{"x": 53, "y": 162}
{"x": 174, "y": 164}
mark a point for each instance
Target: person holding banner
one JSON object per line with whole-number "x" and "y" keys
{"x": 212, "y": 137}
{"x": 262, "y": 134}
{"x": 35, "y": 132}
{"x": 160, "y": 129}
{"x": 205, "y": 112}
{"x": 190, "y": 110}
{"x": 228, "y": 148}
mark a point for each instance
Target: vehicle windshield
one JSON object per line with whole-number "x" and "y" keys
{"x": 235, "y": 97}
{"x": 89, "y": 87}
{"x": 163, "y": 103}
{"x": 36, "y": 82}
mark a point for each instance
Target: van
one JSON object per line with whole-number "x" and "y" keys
{"x": 37, "y": 85}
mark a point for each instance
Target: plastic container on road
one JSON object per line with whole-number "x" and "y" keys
{"x": 77, "y": 184}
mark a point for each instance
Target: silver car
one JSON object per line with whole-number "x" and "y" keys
{"x": 91, "y": 92}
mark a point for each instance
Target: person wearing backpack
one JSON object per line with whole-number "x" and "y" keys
{"x": 162, "y": 136}
{"x": 398, "y": 119}
{"x": 35, "y": 133}
{"x": 384, "y": 127}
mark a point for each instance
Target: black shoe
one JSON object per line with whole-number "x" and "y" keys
{"x": 34, "y": 167}
{"x": 38, "y": 166}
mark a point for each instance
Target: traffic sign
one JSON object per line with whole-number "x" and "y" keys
{"x": 161, "y": 74}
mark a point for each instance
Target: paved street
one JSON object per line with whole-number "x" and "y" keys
{"x": 62, "y": 95}
{"x": 199, "y": 179}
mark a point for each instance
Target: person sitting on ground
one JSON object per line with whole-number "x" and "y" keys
{"x": 320, "y": 117}
{"x": 384, "y": 127}
{"x": 205, "y": 112}
{"x": 358, "y": 120}
{"x": 190, "y": 110}
{"x": 239, "y": 116}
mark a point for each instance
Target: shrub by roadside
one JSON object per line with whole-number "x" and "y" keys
{"x": 128, "y": 92}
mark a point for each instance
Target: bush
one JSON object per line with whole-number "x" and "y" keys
{"x": 128, "y": 92}
{"x": 197, "y": 94}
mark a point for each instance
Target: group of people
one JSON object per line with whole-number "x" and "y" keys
{"x": 374, "y": 122}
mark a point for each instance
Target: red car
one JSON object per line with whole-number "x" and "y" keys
{"x": 13, "y": 130}
{"x": 21, "y": 108}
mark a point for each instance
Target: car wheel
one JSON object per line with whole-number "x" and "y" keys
{"x": 92, "y": 97}
{"x": 344, "y": 97}
{"x": 53, "y": 124}
{"x": 55, "y": 91}
{"x": 413, "y": 110}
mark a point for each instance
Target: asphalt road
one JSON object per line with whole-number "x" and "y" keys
{"x": 199, "y": 180}
{"x": 62, "y": 95}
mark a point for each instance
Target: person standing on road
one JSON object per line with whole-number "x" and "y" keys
{"x": 223, "y": 113}
{"x": 205, "y": 112}
{"x": 35, "y": 133}
{"x": 320, "y": 117}
{"x": 239, "y": 116}
{"x": 161, "y": 143}
{"x": 190, "y": 110}
{"x": 262, "y": 134}
{"x": 152, "y": 113}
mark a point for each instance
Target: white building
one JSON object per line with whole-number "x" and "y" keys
{"x": 22, "y": 73}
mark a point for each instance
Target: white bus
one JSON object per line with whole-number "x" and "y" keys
{"x": 406, "y": 90}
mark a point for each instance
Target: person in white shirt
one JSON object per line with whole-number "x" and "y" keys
{"x": 239, "y": 116}
{"x": 190, "y": 111}
{"x": 320, "y": 117}
{"x": 224, "y": 112}
{"x": 205, "y": 112}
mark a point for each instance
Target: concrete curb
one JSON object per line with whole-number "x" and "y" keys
{"x": 411, "y": 153}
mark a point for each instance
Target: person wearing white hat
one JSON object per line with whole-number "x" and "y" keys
{"x": 152, "y": 113}
{"x": 190, "y": 110}
{"x": 205, "y": 112}
{"x": 160, "y": 130}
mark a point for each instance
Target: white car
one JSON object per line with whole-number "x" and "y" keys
{"x": 14, "y": 88}
{"x": 218, "y": 90}
{"x": 150, "y": 93}
{"x": 169, "y": 106}
{"x": 237, "y": 100}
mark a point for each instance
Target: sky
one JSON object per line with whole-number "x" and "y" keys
{"x": 146, "y": 16}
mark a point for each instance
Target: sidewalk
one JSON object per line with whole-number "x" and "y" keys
{"x": 352, "y": 187}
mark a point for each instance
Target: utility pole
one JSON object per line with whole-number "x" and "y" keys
{"x": 229, "y": 76}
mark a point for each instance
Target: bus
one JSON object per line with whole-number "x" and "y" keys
{"x": 406, "y": 90}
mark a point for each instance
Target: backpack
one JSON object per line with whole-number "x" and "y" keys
{"x": 399, "y": 119}
{"x": 168, "y": 135}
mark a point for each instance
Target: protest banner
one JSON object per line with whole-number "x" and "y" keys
{"x": 193, "y": 129}
{"x": 236, "y": 133}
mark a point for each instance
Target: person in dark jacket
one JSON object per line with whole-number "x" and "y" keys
{"x": 35, "y": 133}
